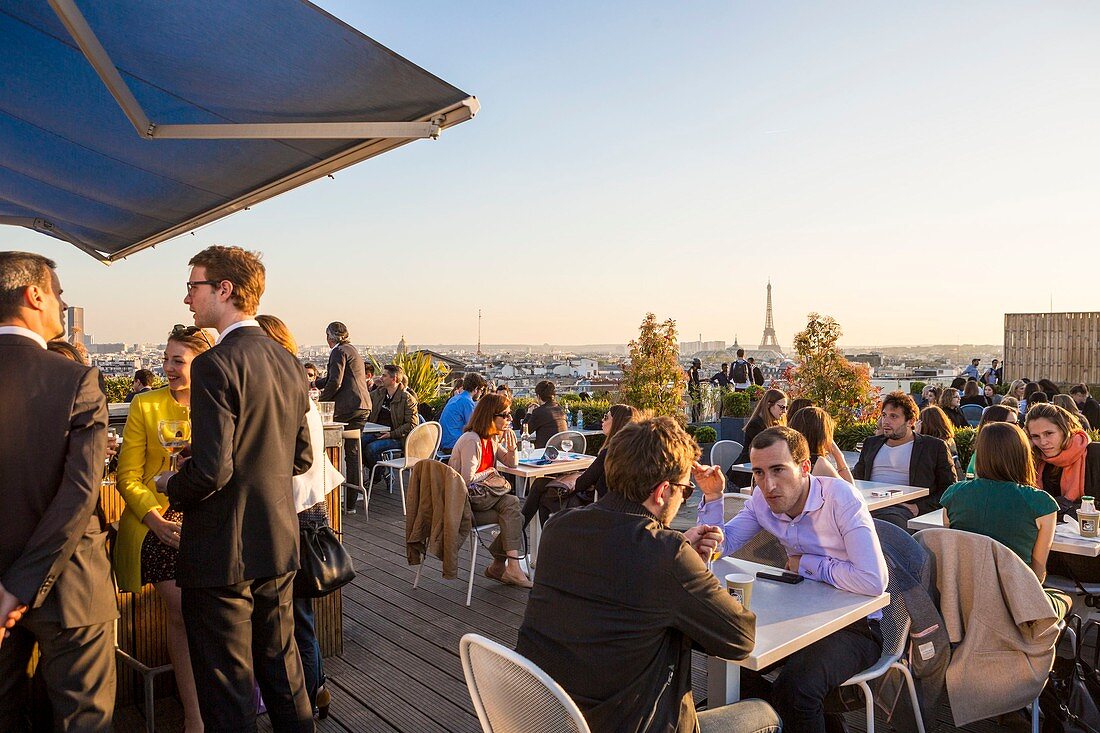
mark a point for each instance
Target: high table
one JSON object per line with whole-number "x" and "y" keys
{"x": 898, "y": 494}
{"x": 788, "y": 619}
{"x": 524, "y": 471}
{"x": 1065, "y": 539}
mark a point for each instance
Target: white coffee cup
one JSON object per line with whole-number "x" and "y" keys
{"x": 739, "y": 585}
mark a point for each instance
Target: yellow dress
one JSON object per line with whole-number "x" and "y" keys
{"x": 142, "y": 457}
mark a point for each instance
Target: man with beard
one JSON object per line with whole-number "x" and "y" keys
{"x": 618, "y": 636}
{"x": 901, "y": 456}
{"x": 828, "y": 535}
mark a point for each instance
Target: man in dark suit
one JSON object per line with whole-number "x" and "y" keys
{"x": 239, "y": 540}
{"x": 901, "y": 456}
{"x": 346, "y": 384}
{"x": 55, "y": 576}
{"x": 1088, "y": 406}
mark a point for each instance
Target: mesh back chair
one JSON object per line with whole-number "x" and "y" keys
{"x": 422, "y": 443}
{"x": 724, "y": 453}
{"x": 763, "y": 548}
{"x": 894, "y": 625}
{"x": 512, "y": 695}
{"x": 973, "y": 414}
{"x": 475, "y": 541}
{"x": 579, "y": 443}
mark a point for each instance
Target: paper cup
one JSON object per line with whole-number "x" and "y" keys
{"x": 739, "y": 585}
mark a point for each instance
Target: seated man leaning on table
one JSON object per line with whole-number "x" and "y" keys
{"x": 619, "y": 598}
{"x": 829, "y": 536}
{"x": 901, "y": 456}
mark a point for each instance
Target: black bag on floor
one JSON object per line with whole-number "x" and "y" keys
{"x": 1067, "y": 702}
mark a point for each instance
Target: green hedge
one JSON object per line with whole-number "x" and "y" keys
{"x": 916, "y": 387}
{"x": 964, "y": 442}
{"x": 705, "y": 434}
{"x": 849, "y": 436}
{"x": 736, "y": 404}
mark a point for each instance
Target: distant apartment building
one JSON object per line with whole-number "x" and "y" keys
{"x": 687, "y": 348}
{"x": 74, "y": 325}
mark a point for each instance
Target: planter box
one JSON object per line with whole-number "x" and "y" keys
{"x": 733, "y": 428}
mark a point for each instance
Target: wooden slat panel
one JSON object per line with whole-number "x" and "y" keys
{"x": 1063, "y": 347}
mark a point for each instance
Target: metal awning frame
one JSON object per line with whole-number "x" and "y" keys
{"x": 378, "y": 137}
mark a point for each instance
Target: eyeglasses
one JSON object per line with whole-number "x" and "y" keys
{"x": 782, "y": 408}
{"x": 503, "y": 414}
{"x": 685, "y": 489}
{"x": 192, "y": 284}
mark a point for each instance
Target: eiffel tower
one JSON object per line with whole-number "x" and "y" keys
{"x": 769, "y": 341}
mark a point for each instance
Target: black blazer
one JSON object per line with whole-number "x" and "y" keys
{"x": 248, "y": 437}
{"x": 545, "y": 421}
{"x": 644, "y": 597}
{"x": 930, "y": 467}
{"x": 345, "y": 383}
{"x": 53, "y": 439}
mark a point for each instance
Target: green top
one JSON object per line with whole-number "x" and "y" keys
{"x": 999, "y": 509}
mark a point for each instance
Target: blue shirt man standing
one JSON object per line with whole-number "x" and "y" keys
{"x": 456, "y": 413}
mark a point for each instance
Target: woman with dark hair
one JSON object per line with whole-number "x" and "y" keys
{"x": 1068, "y": 404}
{"x": 1002, "y": 502}
{"x": 817, "y": 428}
{"x": 148, "y": 530}
{"x": 1029, "y": 389}
{"x": 309, "y": 491}
{"x": 949, "y": 403}
{"x": 972, "y": 395}
{"x": 935, "y": 423}
{"x": 958, "y": 383}
{"x": 488, "y": 439}
{"x": 1049, "y": 387}
{"x": 996, "y": 413}
{"x": 797, "y": 405}
{"x": 544, "y": 500}
{"x": 770, "y": 411}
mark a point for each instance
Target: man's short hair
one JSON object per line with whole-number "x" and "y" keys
{"x": 646, "y": 453}
{"x": 238, "y": 266}
{"x": 144, "y": 377}
{"x": 796, "y": 442}
{"x": 368, "y": 369}
{"x": 545, "y": 390}
{"x": 751, "y": 360}
{"x": 725, "y": 364}
{"x": 996, "y": 361}
{"x": 976, "y": 360}
{"x": 338, "y": 332}
{"x": 903, "y": 402}
{"x": 19, "y": 271}
{"x": 740, "y": 353}
{"x": 1079, "y": 389}
{"x": 397, "y": 373}
{"x": 472, "y": 382}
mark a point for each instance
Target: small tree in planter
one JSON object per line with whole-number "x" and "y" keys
{"x": 654, "y": 379}
{"x": 824, "y": 376}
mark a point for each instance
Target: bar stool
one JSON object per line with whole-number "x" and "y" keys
{"x": 349, "y": 435}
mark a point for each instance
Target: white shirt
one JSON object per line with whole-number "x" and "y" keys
{"x": 235, "y": 326}
{"x": 322, "y": 477}
{"x": 20, "y": 331}
{"x": 892, "y": 464}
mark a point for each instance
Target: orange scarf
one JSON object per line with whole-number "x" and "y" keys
{"x": 1072, "y": 462}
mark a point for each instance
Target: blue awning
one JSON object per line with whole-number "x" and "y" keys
{"x": 124, "y": 123}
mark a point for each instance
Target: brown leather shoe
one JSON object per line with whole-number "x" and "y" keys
{"x": 516, "y": 577}
{"x": 495, "y": 571}
{"x": 323, "y": 701}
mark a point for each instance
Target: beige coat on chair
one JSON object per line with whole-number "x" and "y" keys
{"x": 992, "y": 603}
{"x": 438, "y": 517}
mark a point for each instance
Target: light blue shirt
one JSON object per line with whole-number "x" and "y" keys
{"x": 970, "y": 371}
{"x": 456, "y": 413}
{"x": 834, "y": 534}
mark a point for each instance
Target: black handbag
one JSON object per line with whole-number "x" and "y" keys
{"x": 1068, "y": 704}
{"x": 325, "y": 564}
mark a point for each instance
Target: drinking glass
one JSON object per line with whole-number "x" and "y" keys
{"x": 566, "y": 445}
{"x": 175, "y": 435}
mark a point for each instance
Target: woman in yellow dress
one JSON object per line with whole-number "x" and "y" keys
{"x": 148, "y": 531}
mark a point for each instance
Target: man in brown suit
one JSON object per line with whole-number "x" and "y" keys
{"x": 55, "y": 576}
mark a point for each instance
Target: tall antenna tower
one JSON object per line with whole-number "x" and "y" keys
{"x": 769, "y": 340}
{"x": 479, "y": 332}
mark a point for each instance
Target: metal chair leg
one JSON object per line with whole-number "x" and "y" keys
{"x": 401, "y": 481}
{"x": 912, "y": 694}
{"x": 869, "y": 702}
{"x": 473, "y": 566}
{"x": 366, "y": 492}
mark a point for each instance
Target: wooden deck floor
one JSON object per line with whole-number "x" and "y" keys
{"x": 400, "y": 670}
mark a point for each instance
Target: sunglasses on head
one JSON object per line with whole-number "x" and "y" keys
{"x": 181, "y": 331}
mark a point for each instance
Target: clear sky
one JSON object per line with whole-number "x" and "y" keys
{"x": 914, "y": 170}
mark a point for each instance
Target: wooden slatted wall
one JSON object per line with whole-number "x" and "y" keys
{"x": 1063, "y": 347}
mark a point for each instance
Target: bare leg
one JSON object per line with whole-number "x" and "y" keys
{"x": 181, "y": 657}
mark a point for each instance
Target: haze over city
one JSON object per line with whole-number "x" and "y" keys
{"x": 907, "y": 170}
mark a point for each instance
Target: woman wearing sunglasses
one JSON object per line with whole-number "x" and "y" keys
{"x": 148, "y": 531}
{"x": 770, "y": 411}
{"x": 489, "y": 438}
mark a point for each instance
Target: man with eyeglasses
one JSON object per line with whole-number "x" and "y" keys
{"x": 620, "y": 599}
{"x": 828, "y": 535}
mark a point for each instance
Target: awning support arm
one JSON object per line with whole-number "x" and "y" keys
{"x": 47, "y": 227}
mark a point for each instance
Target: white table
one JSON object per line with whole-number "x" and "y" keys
{"x": 902, "y": 494}
{"x": 523, "y": 471}
{"x": 788, "y": 619}
{"x": 1065, "y": 539}
{"x": 850, "y": 457}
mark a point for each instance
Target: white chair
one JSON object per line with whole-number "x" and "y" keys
{"x": 422, "y": 443}
{"x": 894, "y": 625}
{"x": 475, "y": 540}
{"x": 511, "y": 694}
{"x": 724, "y": 453}
{"x": 579, "y": 443}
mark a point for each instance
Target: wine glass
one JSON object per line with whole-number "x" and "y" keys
{"x": 175, "y": 435}
{"x": 566, "y": 445}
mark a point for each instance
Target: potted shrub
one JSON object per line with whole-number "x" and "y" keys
{"x": 736, "y": 408}
{"x": 706, "y": 437}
